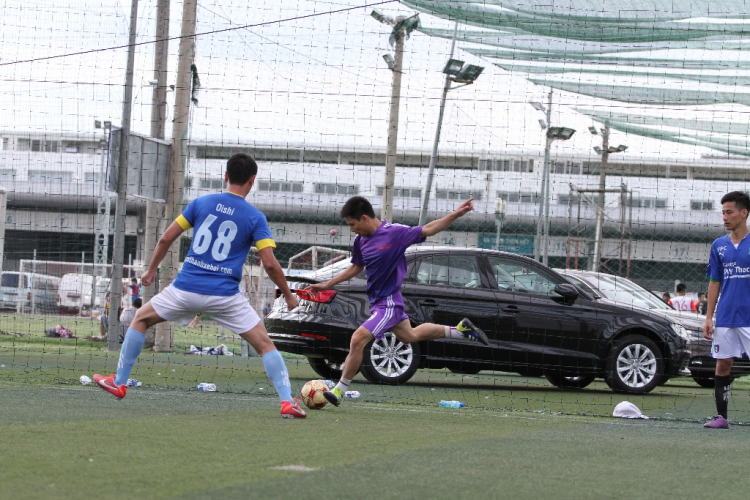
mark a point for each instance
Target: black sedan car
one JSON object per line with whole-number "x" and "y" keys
{"x": 537, "y": 322}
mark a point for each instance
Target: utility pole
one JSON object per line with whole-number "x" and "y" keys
{"x": 161, "y": 47}
{"x": 386, "y": 212}
{"x": 541, "y": 227}
{"x": 594, "y": 264}
{"x": 115, "y": 290}
{"x": 177, "y": 156}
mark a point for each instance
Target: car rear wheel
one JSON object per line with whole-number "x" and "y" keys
{"x": 570, "y": 382}
{"x": 390, "y": 361}
{"x": 329, "y": 370}
{"x": 635, "y": 365}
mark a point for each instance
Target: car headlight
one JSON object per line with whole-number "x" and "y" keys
{"x": 680, "y": 331}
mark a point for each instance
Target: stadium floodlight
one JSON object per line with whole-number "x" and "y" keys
{"x": 598, "y": 150}
{"x": 107, "y": 124}
{"x": 538, "y": 106}
{"x": 469, "y": 73}
{"x": 453, "y": 67}
{"x": 389, "y": 61}
{"x": 593, "y": 131}
{"x": 621, "y": 148}
{"x": 97, "y": 124}
{"x": 382, "y": 18}
{"x": 560, "y": 133}
{"x": 542, "y": 124}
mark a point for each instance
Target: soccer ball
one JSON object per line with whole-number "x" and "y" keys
{"x": 312, "y": 394}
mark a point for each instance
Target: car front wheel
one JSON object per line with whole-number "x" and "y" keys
{"x": 390, "y": 361}
{"x": 635, "y": 365}
{"x": 570, "y": 382}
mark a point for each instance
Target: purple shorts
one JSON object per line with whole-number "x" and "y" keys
{"x": 385, "y": 314}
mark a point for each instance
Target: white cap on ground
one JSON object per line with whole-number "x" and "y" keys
{"x": 626, "y": 409}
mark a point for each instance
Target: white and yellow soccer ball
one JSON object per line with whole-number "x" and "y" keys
{"x": 312, "y": 394}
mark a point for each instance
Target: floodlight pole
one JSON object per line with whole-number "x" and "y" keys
{"x": 386, "y": 212}
{"x": 598, "y": 231}
{"x": 115, "y": 289}
{"x": 433, "y": 155}
{"x": 161, "y": 48}
{"x": 542, "y": 227}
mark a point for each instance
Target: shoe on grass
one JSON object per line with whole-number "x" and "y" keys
{"x": 108, "y": 384}
{"x": 471, "y": 332}
{"x": 718, "y": 422}
{"x": 291, "y": 409}
{"x": 334, "y": 396}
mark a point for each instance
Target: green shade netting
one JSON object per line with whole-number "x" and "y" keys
{"x": 699, "y": 64}
{"x": 646, "y": 95}
{"x": 494, "y": 17}
{"x": 732, "y": 80}
{"x": 574, "y": 48}
{"x": 625, "y": 10}
{"x": 717, "y": 127}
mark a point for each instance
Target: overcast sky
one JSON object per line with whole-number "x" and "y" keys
{"x": 320, "y": 80}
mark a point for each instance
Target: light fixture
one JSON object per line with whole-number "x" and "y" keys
{"x": 621, "y": 148}
{"x": 469, "y": 73}
{"x": 453, "y": 67}
{"x": 593, "y": 131}
{"x": 542, "y": 124}
{"x": 97, "y": 124}
{"x": 538, "y": 106}
{"x": 382, "y": 18}
{"x": 107, "y": 124}
{"x": 598, "y": 149}
{"x": 389, "y": 61}
{"x": 560, "y": 133}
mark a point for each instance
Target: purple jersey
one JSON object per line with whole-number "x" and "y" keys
{"x": 382, "y": 254}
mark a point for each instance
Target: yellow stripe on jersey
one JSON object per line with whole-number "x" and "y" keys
{"x": 182, "y": 221}
{"x": 268, "y": 242}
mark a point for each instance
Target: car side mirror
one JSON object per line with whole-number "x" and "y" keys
{"x": 567, "y": 291}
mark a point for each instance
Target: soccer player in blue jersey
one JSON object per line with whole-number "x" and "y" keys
{"x": 729, "y": 272}
{"x": 225, "y": 227}
{"x": 379, "y": 250}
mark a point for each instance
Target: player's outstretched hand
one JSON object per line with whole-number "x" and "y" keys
{"x": 291, "y": 302}
{"x": 708, "y": 330}
{"x": 465, "y": 207}
{"x": 148, "y": 277}
{"x": 317, "y": 287}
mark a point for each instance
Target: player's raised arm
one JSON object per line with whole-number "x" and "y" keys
{"x": 274, "y": 271}
{"x": 434, "y": 227}
{"x": 346, "y": 275}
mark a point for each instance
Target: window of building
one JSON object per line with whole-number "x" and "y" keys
{"x": 7, "y": 175}
{"x": 71, "y": 147}
{"x": 403, "y": 192}
{"x": 211, "y": 183}
{"x": 566, "y": 167}
{"x": 187, "y": 182}
{"x": 36, "y": 145}
{"x": 23, "y": 145}
{"x": 701, "y": 205}
{"x": 49, "y": 177}
{"x": 518, "y": 197}
{"x": 348, "y": 189}
{"x": 507, "y": 165}
{"x": 51, "y": 146}
{"x": 567, "y": 199}
{"x": 92, "y": 177}
{"x": 6, "y": 143}
{"x": 454, "y": 194}
{"x": 284, "y": 187}
{"x": 646, "y": 202}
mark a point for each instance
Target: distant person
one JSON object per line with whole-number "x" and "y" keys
{"x": 135, "y": 290}
{"x": 127, "y": 317}
{"x": 681, "y": 302}
{"x": 666, "y": 298}
{"x": 729, "y": 272}
{"x": 702, "y": 304}
{"x": 226, "y": 226}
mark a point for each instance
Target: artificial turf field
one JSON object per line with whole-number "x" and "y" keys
{"x": 518, "y": 437}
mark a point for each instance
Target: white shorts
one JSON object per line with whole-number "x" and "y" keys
{"x": 233, "y": 313}
{"x": 730, "y": 342}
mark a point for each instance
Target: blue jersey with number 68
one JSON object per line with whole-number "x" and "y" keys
{"x": 225, "y": 227}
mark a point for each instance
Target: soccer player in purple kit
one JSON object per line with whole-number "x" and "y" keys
{"x": 729, "y": 272}
{"x": 379, "y": 249}
{"x": 226, "y": 225}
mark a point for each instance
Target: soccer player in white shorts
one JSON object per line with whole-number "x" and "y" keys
{"x": 225, "y": 227}
{"x": 729, "y": 272}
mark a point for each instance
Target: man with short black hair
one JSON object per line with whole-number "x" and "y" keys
{"x": 379, "y": 249}
{"x": 729, "y": 272}
{"x": 226, "y": 225}
{"x": 681, "y": 302}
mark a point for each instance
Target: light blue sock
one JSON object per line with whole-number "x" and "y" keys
{"x": 131, "y": 348}
{"x": 276, "y": 370}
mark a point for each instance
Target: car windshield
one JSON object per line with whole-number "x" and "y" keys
{"x": 625, "y": 291}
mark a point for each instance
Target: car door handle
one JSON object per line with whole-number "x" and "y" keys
{"x": 511, "y": 309}
{"x": 429, "y": 303}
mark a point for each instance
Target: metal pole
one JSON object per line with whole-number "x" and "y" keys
{"x": 595, "y": 261}
{"x": 386, "y": 212}
{"x": 540, "y": 225}
{"x": 177, "y": 157}
{"x": 115, "y": 290}
{"x": 3, "y": 211}
{"x": 161, "y": 48}
{"x": 433, "y": 156}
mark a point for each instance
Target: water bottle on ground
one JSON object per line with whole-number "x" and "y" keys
{"x": 330, "y": 384}
{"x": 204, "y": 387}
{"x": 352, "y": 394}
{"x": 134, "y": 383}
{"x": 451, "y": 404}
